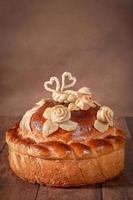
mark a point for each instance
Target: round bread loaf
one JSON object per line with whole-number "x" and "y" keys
{"x": 65, "y": 158}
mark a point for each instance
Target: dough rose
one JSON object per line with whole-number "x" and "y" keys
{"x": 57, "y": 117}
{"x": 104, "y": 119}
{"x": 84, "y": 102}
{"x": 105, "y": 115}
{"x": 60, "y": 114}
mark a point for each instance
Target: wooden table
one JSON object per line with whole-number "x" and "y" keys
{"x": 13, "y": 188}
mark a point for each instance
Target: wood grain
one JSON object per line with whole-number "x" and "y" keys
{"x": 11, "y": 187}
{"x": 81, "y": 193}
{"x": 129, "y": 121}
{"x": 5, "y": 123}
{"x": 121, "y": 188}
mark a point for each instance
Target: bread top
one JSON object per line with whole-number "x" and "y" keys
{"x": 84, "y": 119}
{"x": 68, "y": 125}
{"x": 84, "y": 142}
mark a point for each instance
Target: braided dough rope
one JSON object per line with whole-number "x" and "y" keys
{"x": 59, "y": 149}
{"x": 90, "y": 159}
{"x": 58, "y": 94}
{"x": 61, "y": 164}
{"x": 78, "y": 100}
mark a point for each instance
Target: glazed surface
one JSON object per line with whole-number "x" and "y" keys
{"x": 85, "y": 119}
{"x": 59, "y": 149}
{"x": 85, "y": 130}
{"x": 65, "y": 159}
{"x": 68, "y": 140}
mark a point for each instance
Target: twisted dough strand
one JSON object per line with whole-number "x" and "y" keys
{"x": 64, "y": 97}
{"x": 59, "y": 149}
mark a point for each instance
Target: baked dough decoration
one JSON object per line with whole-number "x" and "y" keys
{"x": 104, "y": 119}
{"x": 57, "y": 117}
{"x": 77, "y": 100}
{"x": 25, "y": 122}
{"x": 69, "y": 139}
{"x": 59, "y": 94}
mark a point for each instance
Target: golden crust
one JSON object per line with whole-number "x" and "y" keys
{"x": 66, "y": 173}
{"x": 66, "y": 164}
{"x": 56, "y": 149}
{"x": 64, "y": 159}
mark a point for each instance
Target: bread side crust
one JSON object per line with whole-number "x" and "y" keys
{"x": 66, "y": 173}
{"x": 56, "y": 149}
{"x": 57, "y": 163}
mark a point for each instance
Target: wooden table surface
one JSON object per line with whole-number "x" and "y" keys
{"x": 13, "y": 188}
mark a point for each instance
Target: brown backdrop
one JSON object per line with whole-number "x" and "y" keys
{"x": 92, "y": 39}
